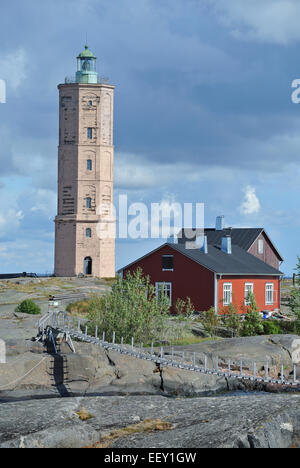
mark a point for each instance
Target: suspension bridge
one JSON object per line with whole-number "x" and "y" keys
{"x": 56, "y": 323}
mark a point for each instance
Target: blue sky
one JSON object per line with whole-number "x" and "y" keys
{"x": 203, "y": 113}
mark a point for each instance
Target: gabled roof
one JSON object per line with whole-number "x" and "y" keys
{"x": 243, "y": 237}
{"x": 239, "y": 262}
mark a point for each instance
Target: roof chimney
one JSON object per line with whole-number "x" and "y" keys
{"x": 220, "y": 223}
{"x": 226, "y": 245}
{"x": 201, "y": 243}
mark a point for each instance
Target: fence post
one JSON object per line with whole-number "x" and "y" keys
{"x": 182, "y": 357}
{"x": 161, "y": 352}
{"x": 282, "y": 375}
{"x": 132, "y": 342}
{"x": 86, "y": 330}
{"x": 229, "y": 367}
{"x": 241, "y": 368}
{"x": 103, "y": 336}
{"x": 254, "y": 369}
{"x": 151, "y": 349}
{"x": 79, "y": 329}
{"x": 122, "y": 341}
{"x": 96, "y": 332}
{"x": 295, "y": 373}
{"x": 114, "y": 337}
{"x": 172, "y": 355}
{"x": 194, "y": 359}
{"x": 217, "y": 363}
{"x": 205, "y": 363}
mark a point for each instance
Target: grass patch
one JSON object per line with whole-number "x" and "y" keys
{"x": 109, "y": 281}
{"x": 148, "y": 425}
{"x": 185, "y": 341}
{"x": 84, "y": 415}
{"x": 78, "y": 309}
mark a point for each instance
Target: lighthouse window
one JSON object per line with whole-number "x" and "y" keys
{"x": 88, "y": 202}
{"x": 90, "y": 133}
{"x": 88, "y": 232}
{"x": 89, "y": 165}
{"x": 90, "y": 103}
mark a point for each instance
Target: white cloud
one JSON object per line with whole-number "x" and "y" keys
{"x": 251, "y": 203}
{"x": 10, "y": 220}
{"x": 13, "y": 67}
{"x": 273, "y": 21}
{"x": 134, "y": 172}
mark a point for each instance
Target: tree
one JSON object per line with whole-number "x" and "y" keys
{"x": 253, "y": 322}
{"x": 294, "y": 298}
{"x": 232, "y": 319}
{"x": 185, "y": 308}
{"x": 131, "y": 309}
{"x": 210, "y": 321}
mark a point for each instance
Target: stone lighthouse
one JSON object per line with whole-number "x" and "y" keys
{"x": 84, "y": 225}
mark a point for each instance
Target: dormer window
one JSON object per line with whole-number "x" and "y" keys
{"x": 167, "y": 262}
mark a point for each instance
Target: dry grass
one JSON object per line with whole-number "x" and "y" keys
{"x": 78, "y": 309}
{"x": 84, "y": 415}
{"x": 148, "y": 425}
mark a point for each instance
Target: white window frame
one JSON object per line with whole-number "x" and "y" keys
{"x": 167, "y": 286}
{"x": 260, "y": 246}
{"x": 267, "y": 291}
{"x": 246, "y": 292}
{"x": 168, "y": 269}
{"x": 225, "y": 292}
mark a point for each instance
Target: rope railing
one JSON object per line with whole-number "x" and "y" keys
{"x": 168, "y": 356}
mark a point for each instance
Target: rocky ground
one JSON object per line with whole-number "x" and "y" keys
{"x": 104, "y": 399}
{"x": 254, "y": 421}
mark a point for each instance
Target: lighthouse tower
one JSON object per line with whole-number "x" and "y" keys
{"x": 84, "y": 243}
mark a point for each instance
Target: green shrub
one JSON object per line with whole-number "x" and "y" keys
{"x": 253, "y": 323}
{"x": 28, "y": 307}
{"x": 131, "y": 309}
{"x": 210, "y": 321}
{"x": 271, "y": 328}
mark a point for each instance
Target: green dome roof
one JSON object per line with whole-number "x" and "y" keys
{"x": 86, "y": 53}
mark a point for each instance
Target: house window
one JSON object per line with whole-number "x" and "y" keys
{"x": 167, "y": 262}
{"x": 88, "y": 232}
{"x": 88, "y": 202}
{"x": 164, "y": 288}
{"x": 248, "y": 290}
{"x": 90, "y": 133}
{"x": 269, "y": 294}
{"x": 227, "y": 293}
{"x": 260, "y": 246}
{"x": 89, "y": 164}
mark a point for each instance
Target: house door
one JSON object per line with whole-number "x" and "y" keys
{"x": 88, "y": 264}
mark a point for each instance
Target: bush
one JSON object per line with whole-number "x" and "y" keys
{"x": 131, "y": 309}
{"x": 28, "y": 307}
{"x": 253, "y": 323}
{"x": 271, "y": 328}
{"x": 232, "y": 319}
{"x": 210, "y": 321}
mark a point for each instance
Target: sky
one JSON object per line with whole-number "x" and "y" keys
{"x": 203, "y": 114}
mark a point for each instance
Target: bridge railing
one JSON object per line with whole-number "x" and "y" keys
{"x": 171, "y": 356}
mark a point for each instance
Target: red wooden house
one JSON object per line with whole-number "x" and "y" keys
{"x": 215, "y": 272}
